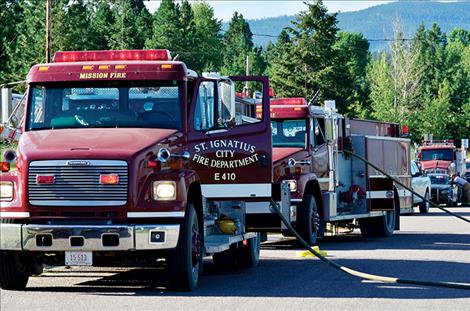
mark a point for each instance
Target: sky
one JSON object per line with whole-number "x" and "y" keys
{"x": 224, "y": 9}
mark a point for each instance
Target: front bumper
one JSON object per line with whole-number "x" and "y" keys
{"x": 88, "y": 238}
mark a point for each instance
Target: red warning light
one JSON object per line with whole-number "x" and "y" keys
{"x": 90, "y": 56}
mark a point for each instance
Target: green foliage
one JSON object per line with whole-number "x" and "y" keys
{"x": 238, "y": 43}
{"x": 353, "y": 58}
{"x": 209, "y": 39}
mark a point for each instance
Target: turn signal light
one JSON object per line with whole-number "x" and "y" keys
{"x": 109, "y": 179}
{"x": 5, "y": 167}
{"x": 45, "y": 179}
{"x": 154, "y": 164}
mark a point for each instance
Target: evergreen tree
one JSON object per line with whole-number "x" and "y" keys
{"x": 101, "y": 22}
{"x": 71, "y": 26}
{"x": 238, "y": 42}
{"x": 209, "y": 40}
{"x": 130, "y": 29}
{"x": 188, "y": 46}
{"x": 166, "y": 27}
{"x": 29, "y": 47}
{"x": 308, "y": 64}
{"x": 10, "y": 15}
{"x": 353, "y": 58}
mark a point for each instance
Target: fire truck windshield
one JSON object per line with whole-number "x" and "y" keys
{"x": 289, "y": 133}
{"x": 138, "y": 105}
{"x": 437, "y": 154}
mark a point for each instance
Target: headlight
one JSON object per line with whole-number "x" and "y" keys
{"x": 6, "y": 191}
{"x": 164, "y": 190}
{"x": 292, "y": 185}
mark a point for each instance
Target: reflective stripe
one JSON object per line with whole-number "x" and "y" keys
{"x": 154, "y": 214}
{"x": 388, "y": 194}
{"x": 236, "y": 190}
{"x": 14, "y": 214}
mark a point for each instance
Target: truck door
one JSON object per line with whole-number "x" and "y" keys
{"x": 230, "y": 145}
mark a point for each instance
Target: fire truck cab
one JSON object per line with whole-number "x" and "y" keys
{"x": 128, "y": 157}
{"x": 330, "y": 188}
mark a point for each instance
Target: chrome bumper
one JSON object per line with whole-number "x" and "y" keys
{"x": 87, "y": 238}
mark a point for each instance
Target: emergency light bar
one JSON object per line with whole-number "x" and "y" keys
{"x": 87, "y": 56}
{"x": 289, "y": 101}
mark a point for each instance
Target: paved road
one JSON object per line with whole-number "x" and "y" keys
{"x": 432, "y": 247}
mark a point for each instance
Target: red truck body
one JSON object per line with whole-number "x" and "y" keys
{"x": 346, "y": 190}
{"x": 128, "y": 156}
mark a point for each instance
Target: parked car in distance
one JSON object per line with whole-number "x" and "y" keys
{"x": 442, "y": 190}
{"x": 421, "y": 184}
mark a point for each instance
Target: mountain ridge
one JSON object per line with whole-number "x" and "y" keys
{"x": 376, "y": 22}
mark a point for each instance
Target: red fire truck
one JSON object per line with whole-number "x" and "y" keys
{"x": 442, "y": 157}
{"x": 128, "y": 157}
{"x": 327, "y": 185}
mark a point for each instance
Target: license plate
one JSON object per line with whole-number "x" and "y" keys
{"x": 78, "y": 258}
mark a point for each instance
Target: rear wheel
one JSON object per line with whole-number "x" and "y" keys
{"x": 186, "y": 262}
{"x": 424, "y": 206}
{"x": 242, "y": 255}
{"x": 14, "y": 272}
{"x": 307, "y": 219}
{"x": 382, "y": 226}
{"x": 248, "y": 254}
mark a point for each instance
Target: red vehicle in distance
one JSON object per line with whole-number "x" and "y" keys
{"x": 329, "y": 188}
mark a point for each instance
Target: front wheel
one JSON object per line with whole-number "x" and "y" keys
{"x": 186, "y": 262}
{"x": 307, "y": 219}
{"x": 424, "y": 206}
{"x": 14, "y": 272}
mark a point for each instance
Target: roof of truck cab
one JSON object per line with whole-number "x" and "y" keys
{"x": 129, "y": 70}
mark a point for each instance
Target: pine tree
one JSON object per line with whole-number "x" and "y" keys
{"x": 29, "y": 48}
{"x": 353, "y": 58}
{"x": 10, "y": 15}
{"x": 209, "y": 40}
{"x": 71, "y": 26}
{"x": 188, "y": 49}
{"x": 131, "y": 20}
{"x": 238, "y": 42}
{"x": 166, "y": 27}
{"x": 101, "y": 22}
{"x": 308, "y": 64}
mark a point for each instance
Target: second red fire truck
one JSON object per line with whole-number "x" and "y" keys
{"x": 329, "y": 186}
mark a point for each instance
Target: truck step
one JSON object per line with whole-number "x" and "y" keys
{"x": 220, "y": 243}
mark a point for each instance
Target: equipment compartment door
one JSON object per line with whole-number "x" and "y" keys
{"x": 230, "y": 143}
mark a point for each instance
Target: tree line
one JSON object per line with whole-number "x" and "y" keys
{"x": 422, "y": 82}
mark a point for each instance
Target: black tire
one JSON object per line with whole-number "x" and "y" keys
{"x": 248, "y": 255}
{"x": 14, "y": 272}
{"x": 186, "y": 262}
{"x": 382, "y": 226}
{"x": 424, "y": 206}
{"x": 307, "y": 217}
{"x": 226, "y": 260}
{"x": 239, "y": 255}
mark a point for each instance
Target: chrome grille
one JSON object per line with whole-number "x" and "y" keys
{"x": 77, "y": 183}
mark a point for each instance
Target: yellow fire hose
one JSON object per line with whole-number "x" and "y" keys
{"x": 364, "y": 275}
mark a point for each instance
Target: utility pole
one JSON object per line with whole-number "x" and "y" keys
{"x": 48, "y": 30}
{"x": 247, "y": 72}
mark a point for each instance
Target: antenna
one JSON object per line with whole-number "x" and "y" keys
{"x": 314, "y": 98}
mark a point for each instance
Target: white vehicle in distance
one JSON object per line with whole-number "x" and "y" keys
{"x": 421, "y": 184}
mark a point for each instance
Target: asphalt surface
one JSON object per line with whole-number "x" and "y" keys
{"x": 434, "y": 247}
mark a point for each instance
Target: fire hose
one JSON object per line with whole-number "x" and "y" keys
{"x": 363, "y": 275}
